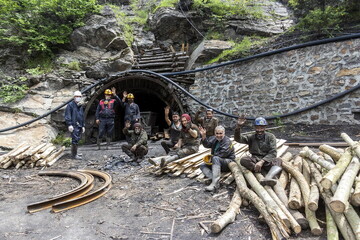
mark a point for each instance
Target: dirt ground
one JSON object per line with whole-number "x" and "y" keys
{"x": 138, "y": 206}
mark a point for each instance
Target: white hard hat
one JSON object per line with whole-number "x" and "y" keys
{"x": 77, "y": 94}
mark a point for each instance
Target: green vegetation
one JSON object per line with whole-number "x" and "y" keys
{"x": 124, "y": 23}
{"x": 62, "y": 140}
{"x": 74, "y": 65}
{"x": 39, "y": 26}
{"x": 13, "y": 90}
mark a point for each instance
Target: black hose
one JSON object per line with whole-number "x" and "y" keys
{"x": 312, "y": 43}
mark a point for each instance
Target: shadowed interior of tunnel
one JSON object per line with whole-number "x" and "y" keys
{"x": 152, "y": 97}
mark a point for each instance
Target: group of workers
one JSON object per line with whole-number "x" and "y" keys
{"x": 186, "y": 137}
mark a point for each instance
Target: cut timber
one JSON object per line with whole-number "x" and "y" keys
{"x": 305, "y": 190}
{"x": 331, "y": 151}
{"x": 47, "y": 152}
{"x": 354, "y": 145}
{"x": 19, "y": 151}
{"x": 284, "y": 176}
{"x": 314, "y": 196}
{"x": 292, "y": 221}
{"x": 264, "y": 195}
{"x": 340, "y": 201}
{"x": 307, "y": 153}
{"x": 340, "y": 219}
{"x": 335, "y": 173}
{"x": 295, "y": 200}
{"x": 306, "y": 171}
{"x": 278, "y": 230}
{"x": 355, "y": 198}
{"x": 332, "y": 232}
{"x": 229, "y": 216}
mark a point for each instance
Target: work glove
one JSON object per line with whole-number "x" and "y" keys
{"x": 188, "y": 126}
{"x": 83, "y": 129}
{"x": 71, "y": 128}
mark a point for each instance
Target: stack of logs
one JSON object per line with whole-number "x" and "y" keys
{"x": 330, "y": 174}
{"x": 25, "y": 155}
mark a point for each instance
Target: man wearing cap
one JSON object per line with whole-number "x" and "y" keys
{"x": 222, "y": 153}
{"x": 262, "y": 146}
{"x": 132, "y": 110}
{"x": 175, "y": 129}
{"x": 137, "y": 147}
{"x": 74, "y": 118}
{"x": 209, "y": 122}
{"x": 188, "y": 143}
{"x": 105, "y": 115}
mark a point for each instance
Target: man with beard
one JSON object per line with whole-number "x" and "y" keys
{"x": 222, "y": 153}
{"x": 188, "y": 143}
{"x": 209, "y": 122}
{"x": 74, "y": 118}
{"x": 132, "y": 110}
{"x": 105, "y": 115}
{"x": 175, "y": 129}
{"x": 137, "y": 147}
{"x": 262, "y": 146}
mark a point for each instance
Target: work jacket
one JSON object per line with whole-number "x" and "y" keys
{"x": 132, "y": 111}
{"x": 74, "y": 115}
{"x": 223, "y": 148}
{"x": 105, "y": 109}
{"x": 187, "y": 139}
{"x": 138, "y": 139}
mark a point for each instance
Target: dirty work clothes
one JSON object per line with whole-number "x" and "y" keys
{"x": 105, "y": 113}
{"x": 222, "y": 149}
{"x": 175, "y": 132}
{"x": 139, "y": 152}
{"x": 138, "y": 139}
{"x": 190, "y": 144}
{"x": 208, "y": 124}
{"x": 222, "y": 162}
{"x": 249, "y": 163}
{"x": 74, "y": 116}
{"x": 167, "y": 145}
{"x": 132, "y": 112}
{"x": 264, "y": 148}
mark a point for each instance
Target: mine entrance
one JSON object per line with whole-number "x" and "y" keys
{"x": 151, "y": 94}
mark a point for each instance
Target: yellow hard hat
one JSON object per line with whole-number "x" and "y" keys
{"x": 207, "y": 159}
{"x": 130, "y": 96}
{"x": 108, "y": 92}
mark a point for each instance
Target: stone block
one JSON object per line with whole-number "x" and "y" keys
{"x": 315, "y": 70}
{"x": 348, "y": 72}
{"x": 314, "y": 117}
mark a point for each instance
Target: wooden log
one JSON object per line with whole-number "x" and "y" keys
{"x": 306, "y": 171}
{"x": 229, "y": 216}
{"x": 331, "y": 151}
{"x": 277, "y": 229}
{"x": 263, "y": 194}
{"x": 355, "y": 197}
{"x": 332, "y": 232}
{"x": 49, "y": 164}
{"x": 6, "y": 155}
{"x": 314, "y": 196}
{"x": 305, "y": 190}
{"x": 354, "y": 145}
{"x": 307, "y": 153}
{"x": 340, "y": 201}
{"x": 284, "y": 176}
{"x": 292, "y": 221}
{"x": 229, "y": 180}
{"x": 341, "y": 221}
{"x": 19, "y": 151}
{"x": 24, "y": 154}
{"x": 47, "y": 152}
{"x": 8, "y": 164}
{"x": 295, "y": 199}
{"x": 20, "y": 164}
{"x": 336, "y": 172}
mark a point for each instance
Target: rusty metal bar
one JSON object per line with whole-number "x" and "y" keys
{"x": 88, "y": 197}
{"x": 86, "y": 184}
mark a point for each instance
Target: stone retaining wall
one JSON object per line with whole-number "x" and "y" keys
{"x": 286, "y": 82}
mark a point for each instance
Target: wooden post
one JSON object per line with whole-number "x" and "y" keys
{"x": 331, "y": 151}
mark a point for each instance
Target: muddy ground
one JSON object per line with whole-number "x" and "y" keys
{"x": 138, "y": 206}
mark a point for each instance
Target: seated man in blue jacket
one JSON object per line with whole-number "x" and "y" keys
{"x": 222, "y": 153}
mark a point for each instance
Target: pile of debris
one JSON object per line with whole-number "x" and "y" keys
{"x": 25, "y": 155}
{"x": 330, "y": 174}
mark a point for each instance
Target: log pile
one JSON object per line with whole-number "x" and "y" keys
{"x": 25, "y": 155}
{"x": 331, "y": 174}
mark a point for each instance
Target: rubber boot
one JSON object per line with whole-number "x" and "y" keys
{"x": 98, "y": 141}
{"x": 206, "y": 171}
{"x": 108, "y": 140}
{"x": 74, "y": 154}
{"x": 269, "y": 178}
{"x": 151, "y": 161}
{"x": 165, "y": 146}
{"x": 167, "y": 160}
{"x": 216, "y": 170}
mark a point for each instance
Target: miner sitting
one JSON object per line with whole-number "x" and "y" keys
{"x": 222, "y": 153}
{"x": 262, "y": 146}
{"x": 137, "y": 147}
{"x": 188, "y": 143}
{"x": 209, "y": 122}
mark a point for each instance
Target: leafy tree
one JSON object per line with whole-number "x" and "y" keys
{"x": 39, "y": 26}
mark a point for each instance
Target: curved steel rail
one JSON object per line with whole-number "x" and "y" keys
{"x": 88, "y": 197}
{"x": 86, "y": 184}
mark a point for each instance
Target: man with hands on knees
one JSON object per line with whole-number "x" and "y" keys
{"x": 222, "y": 153}
{"x": 137, "y": 147}
{"x": 188, "y": 143}
{"x": 262, "y": 146}
{"x": 74, "y": 118}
